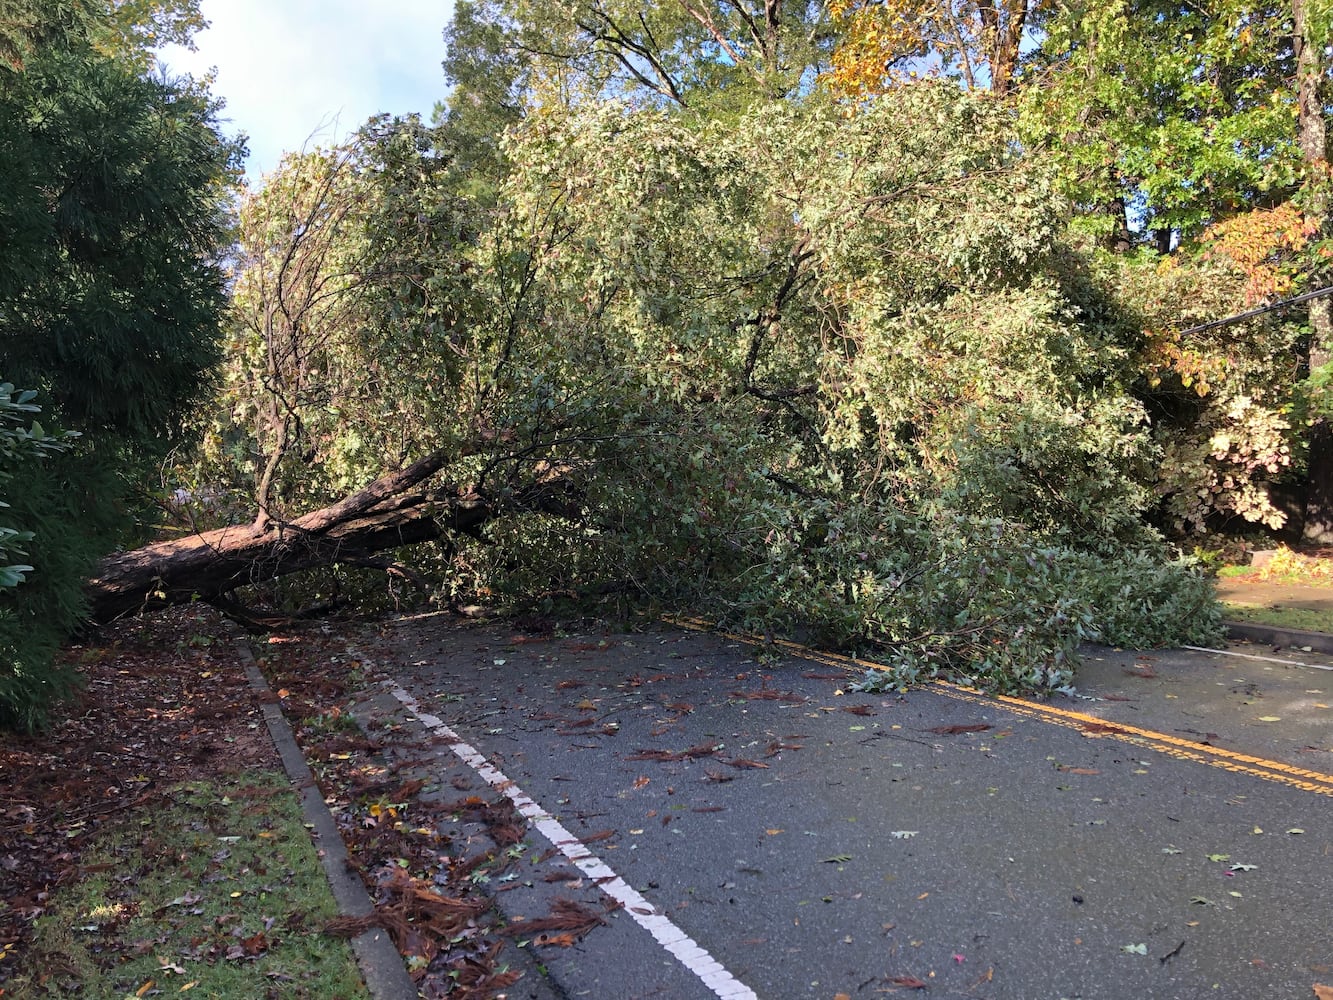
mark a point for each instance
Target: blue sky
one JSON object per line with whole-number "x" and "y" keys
{"x": 307, "y": 72}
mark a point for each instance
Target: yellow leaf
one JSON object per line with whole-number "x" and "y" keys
{"x": 144, "y": 988}
{"x": 189, "y": 986}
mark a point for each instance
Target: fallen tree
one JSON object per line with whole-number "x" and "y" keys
{"x": 886, "y": 409}
{"x": 395, "y": 510}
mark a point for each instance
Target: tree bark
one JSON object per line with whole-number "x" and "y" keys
{"x": 393, "y": 511}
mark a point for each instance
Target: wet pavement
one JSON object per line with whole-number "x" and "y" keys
{"x": 1163, "y": 834}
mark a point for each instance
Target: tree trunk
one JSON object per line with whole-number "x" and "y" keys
{"x": 1312, "y": 134}
{"x": 393, "y": 511}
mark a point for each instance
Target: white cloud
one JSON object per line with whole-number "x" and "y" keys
{"x": 290, "y": 70}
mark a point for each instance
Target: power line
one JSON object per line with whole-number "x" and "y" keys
{"x": 1272, "y": 307}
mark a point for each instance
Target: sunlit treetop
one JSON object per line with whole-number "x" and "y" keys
{"x": 886, "y": 41}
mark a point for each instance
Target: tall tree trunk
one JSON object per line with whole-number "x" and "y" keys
{"x": 1312, "y": 134}
{"x": 1121, "y": 240}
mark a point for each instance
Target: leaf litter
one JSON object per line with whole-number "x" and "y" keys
{"x": 165, "y": 724}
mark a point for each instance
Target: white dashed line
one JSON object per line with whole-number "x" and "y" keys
{"x": 710, "y": 972}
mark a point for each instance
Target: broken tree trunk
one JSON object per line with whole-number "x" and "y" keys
{"x": 393, "y": 511}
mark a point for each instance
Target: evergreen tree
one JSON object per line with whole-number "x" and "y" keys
{"x": 111, "y": 222}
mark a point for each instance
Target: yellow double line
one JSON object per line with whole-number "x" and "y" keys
{"x": 1088, "y": 725}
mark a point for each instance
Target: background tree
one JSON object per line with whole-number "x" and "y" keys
{"x": 709, "y": 55}
{"x": 882, "y": 42}
{"x": 1166, "y": 116}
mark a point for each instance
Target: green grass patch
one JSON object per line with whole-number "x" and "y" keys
{"x": 216, "y": 894}
{"x": 1301, "y": 618}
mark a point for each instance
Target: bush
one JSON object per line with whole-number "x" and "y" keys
{"x": 66, "y": 502}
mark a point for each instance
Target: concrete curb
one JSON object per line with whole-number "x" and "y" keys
{"x": 381, "y": 964}
{"x": 1274, "y": 635}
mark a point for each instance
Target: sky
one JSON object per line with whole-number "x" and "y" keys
{"x": 307, "y": 72}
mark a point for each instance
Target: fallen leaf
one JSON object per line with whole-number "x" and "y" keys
{"x": 741, "y": 762}
{"x": 1134, "y": 949}
{"x": 1219, "y": 857}
{"x": 1295, "y": 829}
{"x": 1100, "y": 729}
{"x": 903, "y": 834}
{"x": 912, "y": 983}
{"x": 144, "y": 988}
{"x": 565, "y": 940}
{"x": 1077, "y": 770}
{"x": 1270, "y": 718}
{"x": 955, "y": 730}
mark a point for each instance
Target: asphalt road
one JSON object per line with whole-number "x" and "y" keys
{"x": 768, "y": 833}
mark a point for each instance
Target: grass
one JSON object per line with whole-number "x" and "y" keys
{"x": 217, "y": 895}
